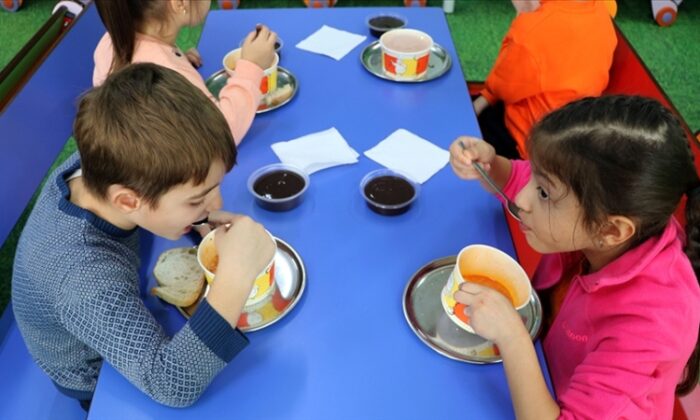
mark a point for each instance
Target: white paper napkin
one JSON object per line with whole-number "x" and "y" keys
{"x": 331, "y": 42}
{"x": 316, "y": 151}
{"x": 405, "y": 152}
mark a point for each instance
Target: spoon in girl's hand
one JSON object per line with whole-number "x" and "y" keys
{"x": 513, "y": 209}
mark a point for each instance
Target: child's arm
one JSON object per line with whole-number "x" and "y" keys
{"x": 465, "y": 150}
{"x": 239, "y": 99}
{"x": 245, "y": 249}
{"x": 480, "y": 103}
{"x": 493, "y": 317}
{"x": 107, "y": 314}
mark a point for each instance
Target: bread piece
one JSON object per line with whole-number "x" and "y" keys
{"x": 278, "y": 96}
{"x": 179, "y": 277}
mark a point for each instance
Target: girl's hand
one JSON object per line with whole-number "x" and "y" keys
{"x": 465, "y": 150}
{"x": 491, "y": 314}
{"x": 194, "y": 58}
{"x": 259, "y": 47}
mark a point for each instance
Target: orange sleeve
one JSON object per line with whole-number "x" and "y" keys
{"x": 514, "y": 76}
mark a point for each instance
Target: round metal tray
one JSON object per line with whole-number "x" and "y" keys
{"x": 427, "y": 318}
{"x": 439, "y": 63}
{"x": 290, "y": 281}
{"x": 285, "y": 78}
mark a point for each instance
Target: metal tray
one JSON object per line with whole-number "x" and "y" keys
{"x": 439, "y": 63}
{"x": 427, "y": 318}
{"x": 290, "y": 282}
{"x": 218, "y": 80}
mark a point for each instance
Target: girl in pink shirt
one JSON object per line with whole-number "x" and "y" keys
{"x": 597, "y": 198}
{"x": 145, "y": 30}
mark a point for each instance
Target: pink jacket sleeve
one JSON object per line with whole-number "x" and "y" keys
{"x": 239, "y": 99}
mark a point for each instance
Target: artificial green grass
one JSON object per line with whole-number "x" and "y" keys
{"x": 477, "y": 26}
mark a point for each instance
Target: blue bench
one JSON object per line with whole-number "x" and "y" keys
{"x": 25, "y": 390}
{"x": 35, "y": 125}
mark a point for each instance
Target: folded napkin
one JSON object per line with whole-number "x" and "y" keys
{"x": 316, "y": 151}
{"x": 405, "y": 152}
{"x": 331, "y": 42}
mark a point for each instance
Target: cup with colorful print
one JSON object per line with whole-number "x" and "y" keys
{"x": 208, "y": 259}
{"x": 489, "y": 267}
{"x": 405, "y": 53}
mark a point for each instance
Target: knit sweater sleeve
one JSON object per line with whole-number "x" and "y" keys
{"x": 105, "y": 312}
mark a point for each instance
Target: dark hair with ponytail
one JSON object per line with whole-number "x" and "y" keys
{"x": 691, "y": 373}
{"x": 625, "y": 155}
{"x": 123, "y": 19}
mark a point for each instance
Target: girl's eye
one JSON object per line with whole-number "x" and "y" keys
{"x": 197, "y": 203}
{"x": 542, "y": 194}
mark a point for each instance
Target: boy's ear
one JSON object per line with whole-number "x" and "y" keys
{"x": 617, "y": 230}
{"x": 124, "y": 199}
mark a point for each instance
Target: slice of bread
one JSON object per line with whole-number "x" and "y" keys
{"x": 179, "y": 277}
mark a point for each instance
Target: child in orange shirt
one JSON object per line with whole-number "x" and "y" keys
{"x": 554, "y": 52}
{"x": 145, "y": 32}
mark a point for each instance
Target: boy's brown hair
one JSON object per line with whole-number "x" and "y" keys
{"x": 149, "y": 129}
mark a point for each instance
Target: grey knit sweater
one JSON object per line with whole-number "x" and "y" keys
{"x": 75, "y": 294}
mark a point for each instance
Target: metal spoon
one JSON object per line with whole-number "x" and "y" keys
{"x": 513, "y": 209}
{"x": 201, "y": 222}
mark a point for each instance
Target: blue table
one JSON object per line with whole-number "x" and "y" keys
{"x": 346, "y": 350}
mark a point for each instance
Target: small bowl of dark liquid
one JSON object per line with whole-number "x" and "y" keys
{"x": 378, "y": 24}
{"x": 388, "y": 192}
{"x": 278, "y": 187}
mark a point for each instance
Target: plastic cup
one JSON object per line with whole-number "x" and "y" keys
{"x": 490, "y": 267}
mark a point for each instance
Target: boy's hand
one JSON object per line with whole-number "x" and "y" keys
{"x": 194, "y": 58}
{"x": 259, "y": 47}
{"x": 464, "y": 151}
{"x": 244, "y": 249}
{"x": 491, "y": 314}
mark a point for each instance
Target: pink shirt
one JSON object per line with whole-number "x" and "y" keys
{"x": 238, "y": 100}
{"x": 623, "y": 334}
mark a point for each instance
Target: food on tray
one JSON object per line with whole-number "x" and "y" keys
{"x": 502, "y": 287}
{"x": 277, "y": 96}
{"x": 179, "y": 277}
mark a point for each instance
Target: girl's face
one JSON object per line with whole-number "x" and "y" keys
{"x": 551, "y": 216}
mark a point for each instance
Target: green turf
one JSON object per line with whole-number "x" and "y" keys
{"x": 477, "y": 26}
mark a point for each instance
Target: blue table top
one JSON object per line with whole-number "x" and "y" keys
{"x": 346, "y": 350}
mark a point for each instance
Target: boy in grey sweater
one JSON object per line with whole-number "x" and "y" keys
{"x": 152, "y": 151}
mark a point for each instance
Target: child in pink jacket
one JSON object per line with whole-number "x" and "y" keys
{"x": 597, "y": 198}
{"x": 145, "y": 31}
